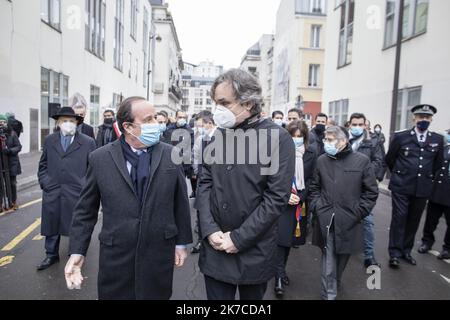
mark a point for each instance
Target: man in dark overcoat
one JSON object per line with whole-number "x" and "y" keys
{"x": 62, "y": 171}
{"x": 146, "y": 213}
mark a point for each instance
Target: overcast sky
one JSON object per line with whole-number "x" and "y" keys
{"x": 221, "y": 30}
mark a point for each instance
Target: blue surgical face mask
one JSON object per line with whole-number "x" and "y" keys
{"x": 448, "y": 137}
{"x": 181, "y": 122}
{"x": 162, "y": 127}
{"x": 150, "y": 134}
{"x": 201, "y": 131}
{"x": 423, "y": 125}
{"x": 278, "y": 122}
{"x": 330, "y": 149}
{"x": 357, "y": 131}
{"x": 299, "y": 142}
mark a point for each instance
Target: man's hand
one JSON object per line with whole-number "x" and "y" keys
{"x": 74, "y": 279}
{"x": 294, "y": 200}
{"x": 228, "y": 245}
{"x": 216, "y": 239}
{"x": 180, "y": 256}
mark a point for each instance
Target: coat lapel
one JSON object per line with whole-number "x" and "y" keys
{"x": 156, "y": 161}
{"x": 75, "y": 145}
{"x": 56, "y": 143}
{"x": 119, "y": 159}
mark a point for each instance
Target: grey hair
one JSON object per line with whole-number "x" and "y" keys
{"x": 245, "y": 86}
{"x": 338, "y": 132}
{"x": 77, "y": 101}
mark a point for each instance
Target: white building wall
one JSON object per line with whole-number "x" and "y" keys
{"x": 368, "y": 81}
{"x": 27, "y": 44}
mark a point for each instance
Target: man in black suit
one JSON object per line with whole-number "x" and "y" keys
{"x": 146, "y": 215}
{"x": 79, "y": 105}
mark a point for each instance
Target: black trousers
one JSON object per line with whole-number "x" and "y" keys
{"x": 282, "y": 258}
{"x": 434, "y": 214}
{"x": 406, "y": 214}
{"x": 13, "y": 189}
{"x": 52, "y": 246}
{"x": 217, "y": 290}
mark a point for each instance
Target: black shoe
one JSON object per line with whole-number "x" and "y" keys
{"x": 424, "y": 248}
{"x": 47, "y": 263}
{"x": 286, "y": 280}
{"x": 279, "y": 287}
{"x": 394, "y": 263}
{"x": 408, "y": 258}
{"x": 196, "y": 248}
{"x": 371, "y": 262}
{"x": 444, "y": 255}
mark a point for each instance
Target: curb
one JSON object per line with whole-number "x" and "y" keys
{"x": 27, "y": 183}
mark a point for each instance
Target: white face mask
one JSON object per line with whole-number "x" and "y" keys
{"x": 224, "y": 118}
{"x": 68, "y": 128}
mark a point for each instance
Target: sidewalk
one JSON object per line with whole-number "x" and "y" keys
{"x": 30, "y": 165}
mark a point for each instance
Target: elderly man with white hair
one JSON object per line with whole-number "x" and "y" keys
{"x": 343, "y": 192}
{"x": 79, "y": 105}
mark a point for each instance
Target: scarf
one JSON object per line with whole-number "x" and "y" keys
{"x": 140, "y": 168}
{"x": 299, "y": 171}
{"x": 107, "y": 134}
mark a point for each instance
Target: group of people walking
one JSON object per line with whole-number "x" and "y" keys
{"x": 325, "y": 183}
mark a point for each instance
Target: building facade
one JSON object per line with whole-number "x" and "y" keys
{"x": 51, "y": 49}
{"x": 298, "y": 56}
{"x": 360, "y": 60}
{"x": 196, "y": 86}
{"x": 258, "y": 61}
{"x": 167, "y": 62}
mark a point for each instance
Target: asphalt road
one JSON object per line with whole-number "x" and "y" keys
{"x": 23, "y": 248}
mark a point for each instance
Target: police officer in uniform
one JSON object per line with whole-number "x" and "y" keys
{"x": 414, "y": 157}
{"x": 439, "y": 205}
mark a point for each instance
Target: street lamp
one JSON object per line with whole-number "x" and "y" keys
{"x": 397, "y": 69}
{"x": 158, "y": 38}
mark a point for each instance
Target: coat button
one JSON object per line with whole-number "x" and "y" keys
{"x": 419, "y": 175}
{"x": 442, "y": 175}
{"x": 225, "y": 206}
{"x": 229, "y": 168}
{"x": 421, "y": 158}
{"x": 440, "y": 182}
{"x": 422, "y": 150}
{"x": 421, "y": 166}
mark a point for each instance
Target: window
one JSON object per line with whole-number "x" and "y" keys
{"x": 117, "y": 100}
{"x": 95, "y": 106}
{"x": 54, "y": 88}
{"x": 415, "y": 18}
{"x": 131, "y": 63}
{"x": 315, "y": 36}
{"x": 136, "y": 68}
{"x": 95, "y": 27}
{"x": 118, "y": 35}
{"x": 145, "y": 47}
{"x": 65, "y": 95}
{"x": 407, "y": 99}
{"x": 338, "y": 111}
{"x": 253, "y": 71}
{"x": 310, "y": 6}
{"x": 51, "y": 13}
{"x": 346, "y": 32}
{"x": 134, "y": 12}
{"x": 313, "y": 79}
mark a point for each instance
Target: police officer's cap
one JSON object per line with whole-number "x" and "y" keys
{"x": 424, "y": 109}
